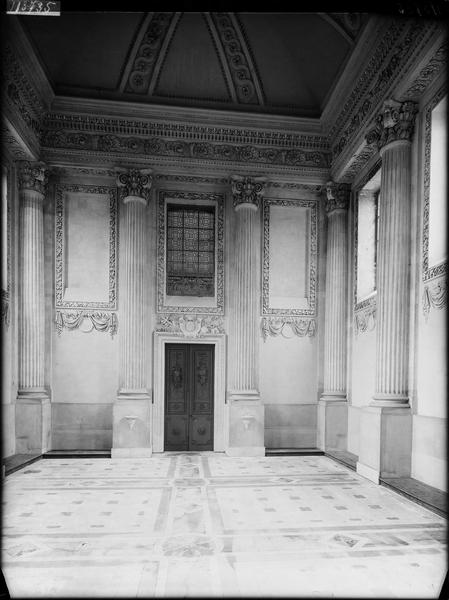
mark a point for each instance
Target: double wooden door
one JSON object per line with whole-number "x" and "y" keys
{"x": 189, "y": 397}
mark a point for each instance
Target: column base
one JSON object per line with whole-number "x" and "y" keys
{"x": 385, "y": 442}
{"x": 33, "y": 421}
{"x": 332, "y": 421}
{"x": 390, "y": 400}
{"x": 131, "y": 425}
{"x": 246, "y": 424}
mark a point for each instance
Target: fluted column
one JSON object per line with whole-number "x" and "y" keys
{"x": 32, "y": 397}
{"x": 246, "y": 423}
{"x": 332, "y": 409}
{"x": 132, "y": 411}
{"x": 393, "y": 268}
{"x": 386, "y": 424}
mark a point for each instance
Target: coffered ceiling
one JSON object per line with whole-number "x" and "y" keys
{"x": 276, "y": 63}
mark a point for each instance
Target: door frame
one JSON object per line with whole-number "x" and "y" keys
{"x": 221, "y": 433}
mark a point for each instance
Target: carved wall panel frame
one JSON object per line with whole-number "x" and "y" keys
{"x": 220, "y": 414}
{"x": 6, "y": 293}
{"x": 311, "y": 291}
{"x": 60, "y": 225}
{"x": 194, "y": 198}
{"x": 429, "y": 271}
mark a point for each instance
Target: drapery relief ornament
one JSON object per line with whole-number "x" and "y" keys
{"x": 247, "y": 190}
{"x": 365, "y": 319}
{"x": 275, "y": 326}
{"x": 135, "y": 183}
{"x": 337, "y": 196}
{"x": 435, "y": 295}
{"x": 395, "y": 122}
{"x": 100, "y": 321}
{"x": 190, "y": 325}
{"x": 33, "y": 176}
{"x": 5, "y": 308}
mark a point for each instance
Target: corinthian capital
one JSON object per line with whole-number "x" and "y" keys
{"x": 247, "y": 191}
{"x": 395, "y": 122}
{"x": 33, "y": 176}
{"x": 134, "y": 183}
{"x": 337, "y": 196}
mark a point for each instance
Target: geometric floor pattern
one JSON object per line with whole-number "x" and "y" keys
{"x": 204, "y": 524}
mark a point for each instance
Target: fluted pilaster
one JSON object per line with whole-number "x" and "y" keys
{"x": 32, "y": 183}
{"x": 393, "y": 269}
{"x": 336, "y": 291}
{"x": 244, "y": 337}
{"x": 134, "y": 188}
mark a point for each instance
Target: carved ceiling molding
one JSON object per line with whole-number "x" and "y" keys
{"x": 13, "y": 146}
{"x": 98, "y": 321}
{"x": 428, "y": 74}
{"x": 429, "y": 271}
{"x": 19, "y": 93}
{"x": 275, "y": 326}
{"x": 312, "y": 258}
{"x": 191, "y": 179}
{"x": 148, "y": 52}
{"x": 246, "y": 84}
{"x": 60, "y": 245}
{"x": 73, "y": 171}
{"x": 391, "y": 62}
{"x": 190, "y": 325}
{"x": 434, "y": 295}
{"x": 194, "y": 198}
{"x": 358, "y": 162}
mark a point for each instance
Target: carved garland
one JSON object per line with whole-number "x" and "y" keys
{"x": 218, "y": 200}
{"x": 429, "y": 272}
{"x": 190, "y": 325}
{"x": 100, "y": 321}
{"x": 275, "y": 326}
{"x": 111, "y": 304}
{"x": 313, "y": 251}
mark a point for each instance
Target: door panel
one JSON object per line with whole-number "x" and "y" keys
{"x": 189, "y": 401}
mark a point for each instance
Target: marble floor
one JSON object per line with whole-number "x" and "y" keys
{"x": 203, "y": 524}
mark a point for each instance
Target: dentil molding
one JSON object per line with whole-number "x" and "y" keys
{"x": 100, "y": 321}
{"x": 189, "y": 325}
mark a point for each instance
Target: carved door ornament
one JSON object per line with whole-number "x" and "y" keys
{"x": 176, "y": 376}
{"x": 202, "y": 374}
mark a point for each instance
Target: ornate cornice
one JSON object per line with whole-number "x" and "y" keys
{"x": 427, "y": 74}
{"x": 395, "y": 122}
{"x": 135, "y": 183}
{"x": 60, "y": 228}
{"x": 100, "y": 321}
{"x": 435, "y": 295}
{"x": 337, "y": 196}
{"x": 275, "y": 326}
{"x": 190, "y": 325}
{"x": 247, "y": 190}
{"x": 33, "y": 176}
{"x": 312, "y": 259}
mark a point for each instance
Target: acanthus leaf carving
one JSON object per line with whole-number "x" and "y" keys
{"x": 135, "y": 183}
{"x": 100, "y": 321}
{"x": 395, "y": 122}
{"x": 247, "y": 190}
{"x": 33, "y": 176}
{"x": 337, "y": 196}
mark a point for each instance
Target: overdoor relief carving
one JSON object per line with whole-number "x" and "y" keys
{"x": 189, "y": 325}
{"x": 247, "y": 190}
{"x": 216, "y": 200}
{"x": 429, "y": 271}
{"x": 60, "y": 303}
{"x": 275, "y": 326}
{"x": 395, "y": 122}
{"x": 98, "y": 321}
{"x": 312, "y": 259}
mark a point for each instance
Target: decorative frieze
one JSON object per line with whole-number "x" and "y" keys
{"x": 135, "y": 183}
{"x": 434, "y": 295}
{"x": 60, "y": 247}
{"x": 395, "y": 122}
{"x": 337, "y": 196}
{"x": 247, "y": 190}
{"x": 98, "y": 321}
{"x": 190, "y": 325}
{"x": 275, "y": 326}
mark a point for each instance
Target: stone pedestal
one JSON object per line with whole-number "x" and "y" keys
{"x": 386, "y": 425}
{"x": 131, "y": 431}
{"x": 245, "y": 410}
{"x": 33, "y": 412}
{"x": 332, "y": 407}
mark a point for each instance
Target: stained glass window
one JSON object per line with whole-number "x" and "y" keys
{"x": 190, "y": 263}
